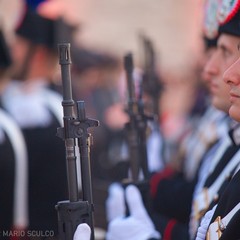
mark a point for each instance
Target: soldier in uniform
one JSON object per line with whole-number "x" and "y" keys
{"x": 37, "y": 109}
{"x": 209, "y": 185}
{"x": 226, "y": 215}
{"x": 224, "y": 218}
{"x": 214, "y": 166}
{"x": 13, "y": 162}
{"x": 222, "y": 222}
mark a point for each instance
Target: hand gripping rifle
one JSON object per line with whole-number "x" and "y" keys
{"x": 74, "y": 211}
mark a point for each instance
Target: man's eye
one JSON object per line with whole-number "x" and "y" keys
{"x": 238, "y": 47}
{"x": 225, "y": 51}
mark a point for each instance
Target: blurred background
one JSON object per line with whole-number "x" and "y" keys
{"x": 114, "y": 25}
{"x": 110, "y": 29}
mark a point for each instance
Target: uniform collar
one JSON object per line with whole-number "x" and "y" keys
{"x": 234, "y": 134}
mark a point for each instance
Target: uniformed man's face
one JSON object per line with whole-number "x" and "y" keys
{"x": 206, "y": 77}
{"x": 224, "y": 56}
{"x": 232, "y": 78}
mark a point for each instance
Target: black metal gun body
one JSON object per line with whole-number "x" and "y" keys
{"x": 136, "y": 127}
{"x": 152, "y": 84}
{"x": 74, "y": 211}
{"x": 136, "y": 136}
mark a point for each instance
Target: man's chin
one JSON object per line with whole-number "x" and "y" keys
{"x": 234, "y": 112}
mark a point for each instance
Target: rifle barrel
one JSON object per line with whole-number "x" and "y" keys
{"x": 68, "y": 114}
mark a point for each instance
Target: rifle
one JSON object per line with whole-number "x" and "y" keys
{"x": 135, "y": 130}
{"x": 74, "y": 211}
{"x": 152, "y": 85}
{"x": 151, "y": 82}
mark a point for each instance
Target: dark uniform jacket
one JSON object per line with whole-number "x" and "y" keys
{"x": 174, "y": 196}
{"x": 230, "y": 198}
{"x": 47, "y": 181}
{"x": 7, "y": 163}
{"x": 13, "y": 161}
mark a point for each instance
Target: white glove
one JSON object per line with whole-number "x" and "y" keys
{"x": 202, "y": 230}
{"x": 115, "y": 205}
{"x": 138, "y": 226}
{"x": 83, "y": 232}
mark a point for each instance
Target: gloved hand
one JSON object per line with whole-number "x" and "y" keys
{"x": 83, "y": 232}
{"x": 115, "y": 205}
{"x": 202, "y": 229}
{"x": 138, "y": 225}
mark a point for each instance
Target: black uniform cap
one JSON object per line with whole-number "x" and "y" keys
{"x": 231, "y": 21}
{"x": 41, "y": 30}
{"x": 84, "y": 59}
{"x": 232, "y": 27}
{"x": 210, "y": 23}
{"x": 36, "y": 28}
